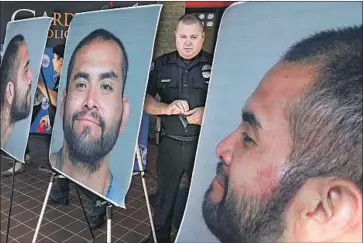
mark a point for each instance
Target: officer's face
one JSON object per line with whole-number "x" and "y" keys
{"x": 241, "y": 204}
{"x": 20, "y": 108}
{"x": 95, "y": 110}
{"x": 189, "y": 40}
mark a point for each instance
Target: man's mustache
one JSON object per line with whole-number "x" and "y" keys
{"x": 93, "y": 114}
{"x": 221, "y": 174}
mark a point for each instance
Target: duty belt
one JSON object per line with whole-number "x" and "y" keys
{"x": 182, "y": 138}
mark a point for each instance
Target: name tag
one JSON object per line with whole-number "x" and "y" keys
{"x": 165, "y": 80}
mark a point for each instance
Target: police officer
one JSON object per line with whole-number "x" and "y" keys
{"x": 181, "y": 79}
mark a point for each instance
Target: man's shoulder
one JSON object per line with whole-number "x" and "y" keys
{"x": 166, "y": 57}
{"x": 208, "y": 56}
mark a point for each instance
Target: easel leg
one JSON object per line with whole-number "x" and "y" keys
{"x": 11, "y": 201}
{"x": 44, "y": 207}
{"x": 141, "y": 168}
{"x": 109, "y": 213}
{"x": 84, "y": 212}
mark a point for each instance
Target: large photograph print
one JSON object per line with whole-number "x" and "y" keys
{"x": 234, "y": 170}
{"x": 100, "y": 99}
{"x": 22, "y": 54}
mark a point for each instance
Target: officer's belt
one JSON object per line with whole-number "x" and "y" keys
{"x": 182, "y": 138}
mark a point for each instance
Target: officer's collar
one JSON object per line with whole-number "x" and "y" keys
{"x": 178, "y": 60}
{"x": 175, "y": 58}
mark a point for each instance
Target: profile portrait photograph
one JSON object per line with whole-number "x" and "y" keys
{"x": 20, "y": 66}
{"x": 102, "y": 88}
{"x": 280, "y": 156}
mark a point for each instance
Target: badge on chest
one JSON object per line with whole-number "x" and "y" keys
{"x": 165, "y": 80}
{"x": 206, "y": 71}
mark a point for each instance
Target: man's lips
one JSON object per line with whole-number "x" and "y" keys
{"x": 88, "y": 119}
{"x": 218, "y": 180}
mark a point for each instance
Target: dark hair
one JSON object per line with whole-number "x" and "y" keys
{"x": 9, "y": 65}
{"x": 190, "y": 19}
{"x": 326, "y": 120}
{"x": 59, "y": 50}
{"x": 99, "y": 34}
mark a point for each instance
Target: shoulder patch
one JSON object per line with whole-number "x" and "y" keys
{"x": 206, "y": 71}
{"x": 206, "y": 68}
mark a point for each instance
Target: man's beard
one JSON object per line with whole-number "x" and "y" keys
{"x": 20, "y": 108}
{"x": 85, "y": 150}
{"x": 246, "y": 219}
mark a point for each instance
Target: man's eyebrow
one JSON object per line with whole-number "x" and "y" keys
{"x": 109, "y": 75}
{"x": 81, "y": 75}
{"x": 251, "y": 119}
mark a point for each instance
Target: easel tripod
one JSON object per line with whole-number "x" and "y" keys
{"x": 109, "y": 206}
{"x": 54, "y": 175}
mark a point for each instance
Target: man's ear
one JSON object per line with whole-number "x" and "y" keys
{"x": 325, "y": 210}
{"x": 64, "y": 94}
{"x": 125, "y": 113}
{"x": 10, "y": 92}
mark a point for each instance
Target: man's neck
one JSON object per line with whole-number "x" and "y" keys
{"x": 6, "y": 126}
{"x": 98, "y": 181}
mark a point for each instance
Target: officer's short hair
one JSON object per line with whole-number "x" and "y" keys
{"x": 10, "y": 64}
{"x": 189, "y": 19}
{"x": 100, "y": 34}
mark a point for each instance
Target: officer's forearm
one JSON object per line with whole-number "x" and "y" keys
{"x": 154, "y": 107}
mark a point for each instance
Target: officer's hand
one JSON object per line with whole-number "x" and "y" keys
{"x": 177, "y": 107}
{"x": 195, "y": 116}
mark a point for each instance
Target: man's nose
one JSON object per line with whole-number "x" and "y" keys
{"x": 91, "y": 101}
{"x": 225, "y": 148}
{"x": 188, "y": 42}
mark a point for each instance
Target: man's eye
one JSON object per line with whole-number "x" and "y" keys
{"x": 246, "y": 138}
{"x": 80, "y": 85}
{"x": 106, "y": 87}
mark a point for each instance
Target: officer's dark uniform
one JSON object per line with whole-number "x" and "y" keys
{"x": 174, "y": 78}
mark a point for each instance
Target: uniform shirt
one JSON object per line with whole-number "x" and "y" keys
{"x": 173, "y": 78}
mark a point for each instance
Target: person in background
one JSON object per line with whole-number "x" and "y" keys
{"x": 58, "y": 58}
{"x": 181, "y": 79}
